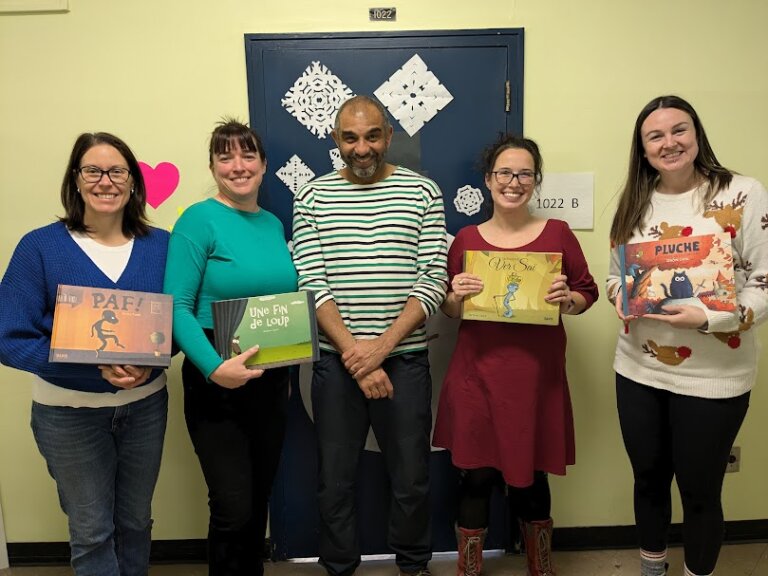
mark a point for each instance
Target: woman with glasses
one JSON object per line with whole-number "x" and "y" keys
{"x": 100, "y": 429}
{"x": 684, "y": 373}
{"x": 505, "y": 411}
{"x": 222, "y": 248}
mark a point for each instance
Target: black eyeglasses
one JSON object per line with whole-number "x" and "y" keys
{"x": 505, "y": 177}
{"x": 93, "y": 174}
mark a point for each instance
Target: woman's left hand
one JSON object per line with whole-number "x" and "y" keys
{"x": 126, "y": 376}
{"x": 559, "y": 293}
{"x": 681, "y": 316}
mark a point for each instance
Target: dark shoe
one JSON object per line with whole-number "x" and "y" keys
{"x": 419, "y": 572}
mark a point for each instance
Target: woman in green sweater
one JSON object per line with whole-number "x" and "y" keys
{"x": 222, "y": 248}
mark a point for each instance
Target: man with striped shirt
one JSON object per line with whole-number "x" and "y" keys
{"x": 370, "y": 241}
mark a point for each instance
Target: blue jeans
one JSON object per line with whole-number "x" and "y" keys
{"x": 402, "y": 426}
{"x": 105, "y": 462}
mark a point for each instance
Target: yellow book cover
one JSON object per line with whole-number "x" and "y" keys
{"x": 515, "y": 284}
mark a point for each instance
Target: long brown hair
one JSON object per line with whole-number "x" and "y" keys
{"x": 642, "y": 178}
{"x": 135, "y": 222}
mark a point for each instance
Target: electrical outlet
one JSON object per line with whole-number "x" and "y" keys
{"x": 734, "y": 460}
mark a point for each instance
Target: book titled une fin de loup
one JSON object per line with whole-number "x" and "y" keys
{"x": 283, "y": 325}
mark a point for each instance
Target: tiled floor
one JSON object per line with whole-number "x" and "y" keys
{"x": 735, "y": 560}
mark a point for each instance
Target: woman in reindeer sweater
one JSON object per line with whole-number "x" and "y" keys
{"x": 684, "y": 373}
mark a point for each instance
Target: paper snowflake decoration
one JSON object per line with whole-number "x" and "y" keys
{"x": 468, "y": 200}
{"x": 315, "y": 98}
{"x": 413, "y": 95}
{"x": 295, "y": 174}
{"x": 338, "y": 163}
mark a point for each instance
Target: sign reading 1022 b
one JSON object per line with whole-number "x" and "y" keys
{"x": 379, "y": 14}
{"x": 566, "y": 196}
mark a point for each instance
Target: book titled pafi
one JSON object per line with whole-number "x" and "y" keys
{"x": 106, "y": 326}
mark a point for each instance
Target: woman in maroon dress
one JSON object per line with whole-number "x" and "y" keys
{"x": 505, "y": 407}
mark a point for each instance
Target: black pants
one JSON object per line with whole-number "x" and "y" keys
{"x": 237, "y": 435}
{"x": 529, "y": 504}
{"x": 402, "y": 426}
{"x": 689, "y": 438}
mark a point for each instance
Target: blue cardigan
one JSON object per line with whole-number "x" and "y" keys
{"x": 43, "y": 259}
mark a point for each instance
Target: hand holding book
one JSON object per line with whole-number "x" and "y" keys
{"x": 560, "y": 293}
{"x": 466, "y": 285}
{"x": 681, "y": 316}
{"x": 127, "y": 376}
{"x": 234, "y": 373}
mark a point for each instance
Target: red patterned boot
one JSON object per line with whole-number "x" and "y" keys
{"x": 470, "y": 543}
{"x": 538, "y": 547}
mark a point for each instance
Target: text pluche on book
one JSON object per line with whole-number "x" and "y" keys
{"x": 694, "y": 270}
{"x": 283, "y": 325}
{"x": 105, "y": 326}
{"x": 514, "y": 286}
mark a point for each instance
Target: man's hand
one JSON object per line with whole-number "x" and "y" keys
{"x": 376, "y": 385}
{"x": 365, "y": 357}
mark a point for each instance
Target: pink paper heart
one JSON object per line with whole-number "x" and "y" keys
{"x": 161, "y": 181}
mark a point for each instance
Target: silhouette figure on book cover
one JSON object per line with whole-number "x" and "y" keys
{"x": 105, "y": 334}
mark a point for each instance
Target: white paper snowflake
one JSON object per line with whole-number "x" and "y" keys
{"x": 315, "y": 98}
{"x": 468, "y": 200}
{"x": 295, "y": 173}
{"x": 338, "y": 163}
{"x": 413, "y": 95}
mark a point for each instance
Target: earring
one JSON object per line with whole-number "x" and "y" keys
{"x": 78, "y": 191}
{"x": 132, "y": 190}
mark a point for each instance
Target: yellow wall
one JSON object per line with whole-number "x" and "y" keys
{"x": 160, "y": 73}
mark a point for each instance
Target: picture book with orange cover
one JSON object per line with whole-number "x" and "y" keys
{"x": 694, "y": 270}
{"x": 515, "y": 284}
{"x": 105, "y": 326}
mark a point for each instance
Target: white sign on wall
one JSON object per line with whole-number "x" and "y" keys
{"x": 567, "y": 196}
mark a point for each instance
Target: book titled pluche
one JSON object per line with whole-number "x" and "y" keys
{"x": 515, "y": 284}
{"x": 105, "y": 326}
{"x": 693, "y": 270}
{"x": 283, "y": 325}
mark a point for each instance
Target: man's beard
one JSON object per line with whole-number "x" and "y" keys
{"x": 365, "y": 173}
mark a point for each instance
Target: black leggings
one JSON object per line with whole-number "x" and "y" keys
{"x": 238, "y": 436}
{"x": 690, "y": 438}
{"x": 530, "y": 503}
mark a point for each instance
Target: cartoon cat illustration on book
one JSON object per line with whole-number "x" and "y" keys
{"x": 679, "y": 287}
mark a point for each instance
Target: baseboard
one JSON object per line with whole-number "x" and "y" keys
{"x": 582, "y": 538}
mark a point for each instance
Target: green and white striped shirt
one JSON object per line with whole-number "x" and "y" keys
{"x": 369, "y": 247}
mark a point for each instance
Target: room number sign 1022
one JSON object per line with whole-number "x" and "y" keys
{"x": 555, "y": 203}
{"x": 382, "y": 14}
{"x": 566, "y": 196}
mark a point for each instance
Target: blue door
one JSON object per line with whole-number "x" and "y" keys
{"x": 449, "y": 95}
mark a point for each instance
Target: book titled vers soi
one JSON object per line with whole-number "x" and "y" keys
{"x": 692, "y": 270}
{"x": 283, "y": 325}
{"x": 515, "y": 284}
{"x": 106, "y": 326}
